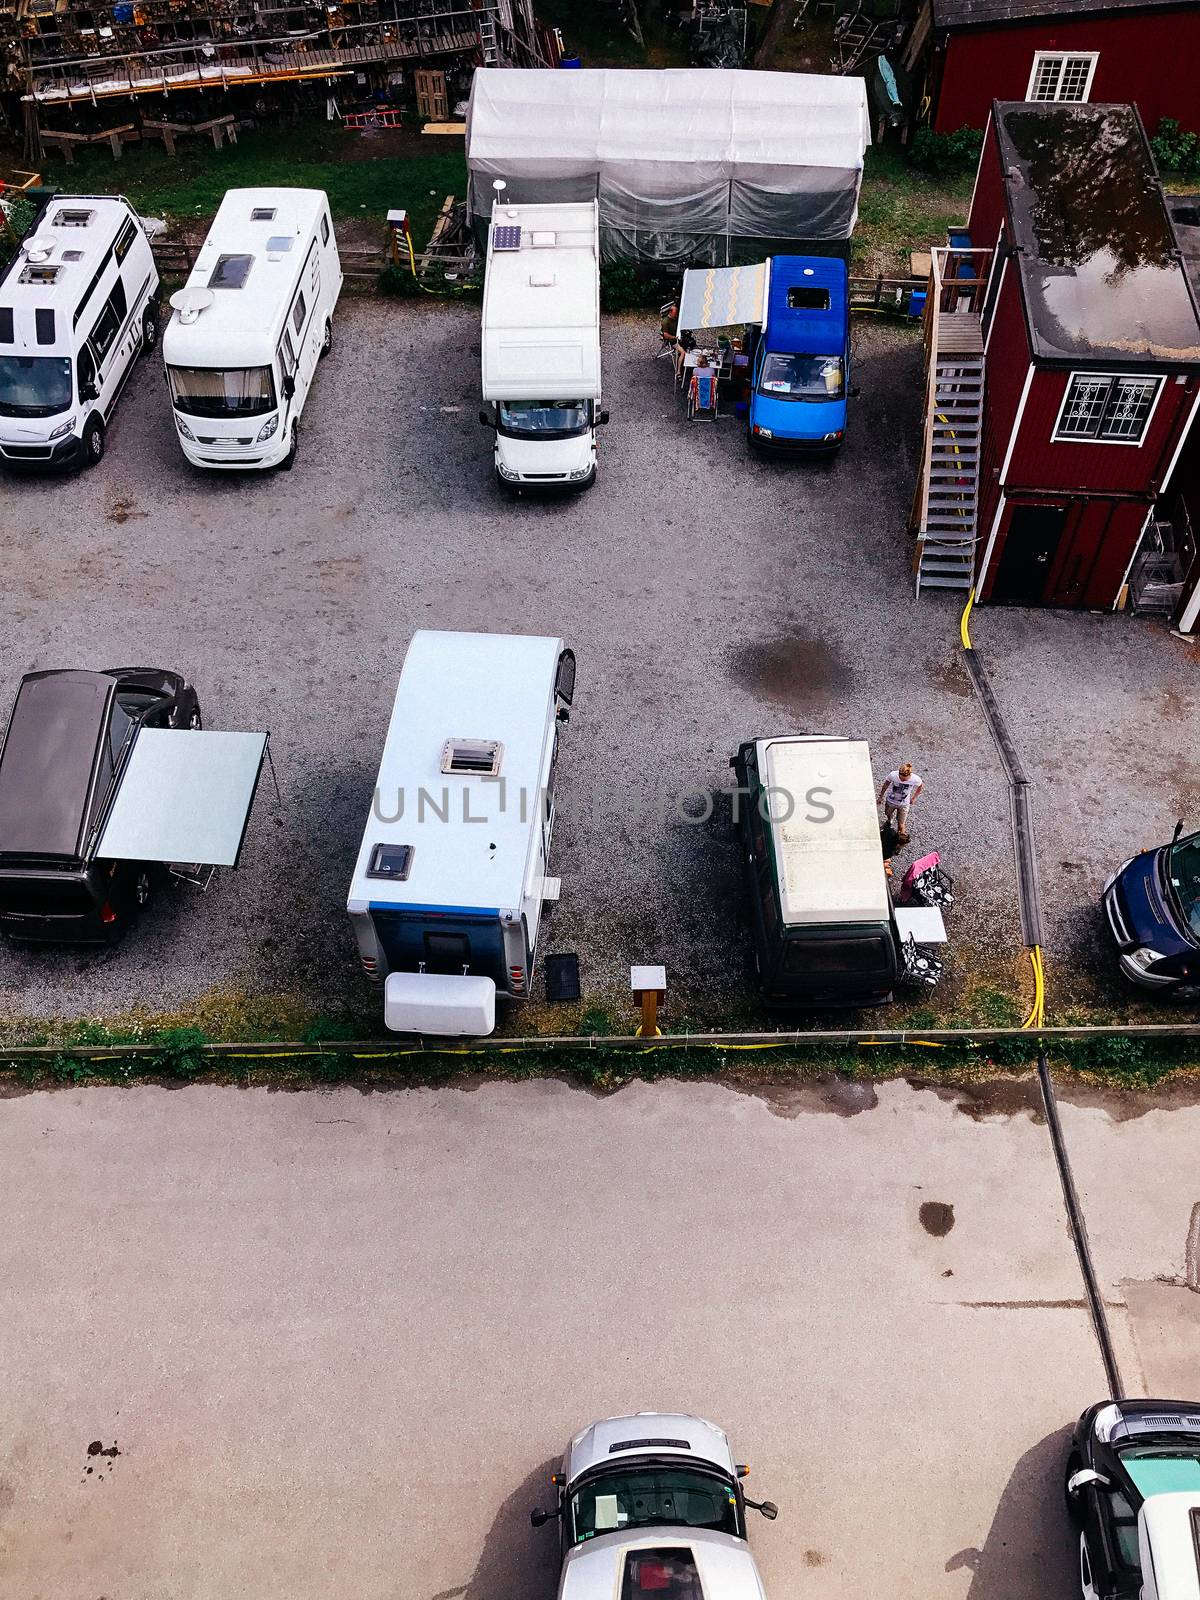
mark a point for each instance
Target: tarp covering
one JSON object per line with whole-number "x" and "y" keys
{"x": 722, "y": 297}
{"x": 683, "y": 161}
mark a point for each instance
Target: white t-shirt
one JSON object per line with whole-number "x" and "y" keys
{"x": 901, "y": 790}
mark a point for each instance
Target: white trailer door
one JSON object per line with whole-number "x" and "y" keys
{"x": 185, "y": 796}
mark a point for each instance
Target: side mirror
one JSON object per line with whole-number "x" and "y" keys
{"x": 768, "y": 1508}
{"x": 538, "y": 1518}
{"x": 1080, "y": 1480}
{"x": 602, "y": 419}
{"x": 485, "y": 419}
{"x": 562, "y": 715}
{"x": 88, "y": 392}
{"x": 1178, "y": 831}
{"x": 289, "y": 386}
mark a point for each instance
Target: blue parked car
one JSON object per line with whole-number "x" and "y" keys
{"x": 1152, "y": 903}
{"x": 801, "y": 373}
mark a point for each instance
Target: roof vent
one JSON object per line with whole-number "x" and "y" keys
{"x": 542, "y": 280}
{"x": 230, "y": 272}
{"x": 39, "y": 271}
{"x": 543, "y": 239}
{"x": 263, "y": 214}
{"x": 191, "y": 302}
{"x": 390, "y": 861}
{"x": 40, "y": 247}
{"x": 279, "y": 244}
{"x": 72, "y": 255}
{"x": 479, "y": 758}
{"x": 73, "y": 217}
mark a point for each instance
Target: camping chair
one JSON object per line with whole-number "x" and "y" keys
{"x": 702, "y": 394}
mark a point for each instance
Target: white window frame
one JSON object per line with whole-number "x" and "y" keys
{"x": 1040, "y": 56}
{"x": 1157, "y": 378}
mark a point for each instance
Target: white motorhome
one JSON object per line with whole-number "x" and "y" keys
{"x": 250, "y": 325}
{"x": 77, "y": 308}
{"x": 541, "y": 345}
{"x": 446, "y": 899}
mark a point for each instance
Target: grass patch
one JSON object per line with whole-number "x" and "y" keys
{"x": 900, "y": 210}
{"x": 313, "y": 155}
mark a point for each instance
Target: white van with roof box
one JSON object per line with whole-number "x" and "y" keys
{"x": 541, "y": 345}
{"x": 250, "y": 325}
{"x": 824, "y": 925}
{"x": 446, "y": 899}
{"x": 77, "y": 308}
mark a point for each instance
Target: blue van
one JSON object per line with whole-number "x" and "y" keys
{"x": 1152, "y": 903}
{"x": 801, "y": 370}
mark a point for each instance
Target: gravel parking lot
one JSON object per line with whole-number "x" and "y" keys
{"x": 709, "y": 598}
{"x": 334, "y": 1343}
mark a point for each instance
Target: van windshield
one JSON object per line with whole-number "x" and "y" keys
{"x": 1184, "y": 872}
{"x": 543, "y": 419}
{"x": 34, "y": 386}
{"x": 222, "y": 391}
{"x": 803, "y": 377}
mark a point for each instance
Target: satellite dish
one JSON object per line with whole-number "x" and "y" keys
{"x": 191, "y": 302}
{"x": 40, "y": 247}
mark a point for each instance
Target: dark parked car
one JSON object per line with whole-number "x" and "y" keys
{"x": 1152, "y": 903}
{"x": 68, "y": 740}
{"x": 1123, "y": 1453}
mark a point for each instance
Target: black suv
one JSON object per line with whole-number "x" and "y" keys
{"x": 68, "y": 739}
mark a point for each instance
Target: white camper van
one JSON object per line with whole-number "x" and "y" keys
{"x": 446, "y": 899}
{"x": 541, "y": 345}
{"x": 250, "y": 325}
{"x": 77, "y": 307}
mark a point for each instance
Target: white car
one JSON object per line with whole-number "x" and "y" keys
{"x": 652, "y": 1505}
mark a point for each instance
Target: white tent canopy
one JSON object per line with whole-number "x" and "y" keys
{"x": 674, "y": 157}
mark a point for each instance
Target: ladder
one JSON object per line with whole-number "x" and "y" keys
{"x": 488, "y": 44}
{"x": 946, "y": 539}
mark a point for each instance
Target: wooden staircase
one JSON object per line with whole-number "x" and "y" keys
{"x": 946, "y": 504}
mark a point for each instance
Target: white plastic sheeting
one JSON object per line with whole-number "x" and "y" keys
{"x": 683, "y": 162}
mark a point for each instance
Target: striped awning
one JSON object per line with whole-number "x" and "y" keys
{"x": 723, "y": 297}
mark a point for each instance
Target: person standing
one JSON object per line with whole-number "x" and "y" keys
{"x": 898, "y": 791}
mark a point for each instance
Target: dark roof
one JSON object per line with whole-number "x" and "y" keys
{"x": 1101, "y": 273}
{"x": 990, "y": 13}
{"x": 48, "y": 759}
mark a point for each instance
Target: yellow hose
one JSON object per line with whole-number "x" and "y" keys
{"x": 964, "y": 631}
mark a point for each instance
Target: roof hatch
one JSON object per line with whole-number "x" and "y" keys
{"x": 73, "y": 217}
{"x": 230, "y": 272}
{"x": 479, "y": 758}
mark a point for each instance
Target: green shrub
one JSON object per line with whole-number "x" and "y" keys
{"x": 943, "y": 155}
{"x": 20, "y": 212}
{"x": 1176, "y": 150}
{"x": 626, "y": 286}
{"x": 399, "y": 281}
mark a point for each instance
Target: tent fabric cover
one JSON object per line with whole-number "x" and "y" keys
{"x": 723, "y": 297}
{"x": 674, "y": 157}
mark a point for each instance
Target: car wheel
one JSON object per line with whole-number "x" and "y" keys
{"x": 289, "y": 460}
{"x": 93, "y": 441}
{"x": 327, "y": 341}
{"x": 194, "y": 722}
{"x": 150, "y": 329}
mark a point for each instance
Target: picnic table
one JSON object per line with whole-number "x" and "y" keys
{"x": 219, "y": 129}
{"x": 66, "y": 142}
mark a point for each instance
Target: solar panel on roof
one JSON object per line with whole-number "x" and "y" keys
{"x": 506, "y": 238}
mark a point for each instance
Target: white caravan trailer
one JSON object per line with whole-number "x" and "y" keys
{"x": 446, "y": 899}
{"x": 541, "y": 345}
{"x": 250, "y": 325}
{"x": 77, "y": 307}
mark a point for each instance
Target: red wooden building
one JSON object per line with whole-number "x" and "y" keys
{"x": 1065, "y": 364}
{"x": 963, "y": 54}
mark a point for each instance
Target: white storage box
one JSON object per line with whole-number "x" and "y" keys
{"x": 432, "y": 1002}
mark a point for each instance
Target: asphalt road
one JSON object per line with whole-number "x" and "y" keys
{"x": 332, "y": 1344}
{"x": 709, "y": 598}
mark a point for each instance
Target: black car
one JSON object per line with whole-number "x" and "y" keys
{"x": 1122, "y": 1453}
{"x": 68, "y": 739}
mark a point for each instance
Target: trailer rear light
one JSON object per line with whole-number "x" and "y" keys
{"x": 517, "y": 977}
{"x": 369, "y": 963}
{"x": 107, "y": 914}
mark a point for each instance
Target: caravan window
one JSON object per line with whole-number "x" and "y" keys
{"x": 836, "y": 956}
{"x": 222, "y": 392}
{"x": 105, "y": 331}
{"x": 298, "y": 311}
{"x": 787, "y": 377}
{"x": 447, "y": 952}
{"x": 124, "y": 239}
{"x": 34, "y": 386}
{"x": 287, "y": 356}
{"x": 324, "y": 229}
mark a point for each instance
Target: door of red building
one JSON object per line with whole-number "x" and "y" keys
{"x": 1028, "y": 557}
